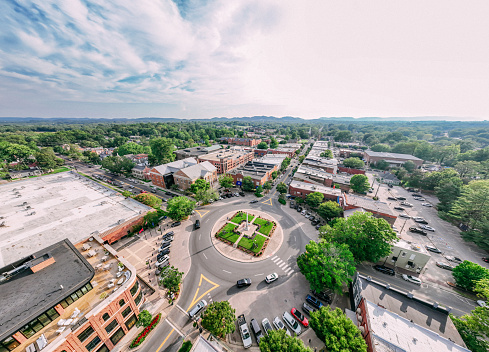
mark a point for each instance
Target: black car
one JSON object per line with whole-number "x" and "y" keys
{"x": 399, "y": 208}
{"x": 168, "y": 238}
{"x": 391, "y": 198}
{"x": 197, "y": 224}
{"x": 175, "y": 224}
{"x": 390, "y": 186}
{"x": 416, "y": 230}
{"x": 421, "y": 221}
{"x": 385, "y": 270}
{"x": 299, "y": 209}
{"x": 243, "y": 283}
{"x": 253, "y": 201}
{"x": 163, "y": 253}
{"x": 485, "y": 259}
{"x": 432, "y": 249}
{"x": 417, "y": 195}
{"x": 168, "y": 193}
{"x": 324, "y": 296}
{"x": 314, "y": 222}
{"x": 241, "y": 194}
{"x": 165, "y": 245}
{"x": 171, "y": 233}
{"x": 229, "y": 195}
{"x": 401, "y": 198}
{"x": 308, "y": 309}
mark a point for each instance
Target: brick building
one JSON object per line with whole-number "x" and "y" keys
{"x": 394, "y": 159}
{"x": 243, "y": 142}
{"x": 227, "y": 160}
{"x": 258, "y": 171}
{"x": 377, "y": 208}
{"x": 184, "y": 178}
{"x": 162, "y": 175}
{"x": 319, "y": 176}
{"x": 328, "y": 165}
{"x": 302, "y": 189}
{"x": 65, "y": 312}
{"x": 195, "y": 152}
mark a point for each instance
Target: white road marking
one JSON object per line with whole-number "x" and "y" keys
{"x": 204, "y": 255}
{"x": 289, "y": 270}
{"x": 278, "y": 262}
{"x": 274, "y": 257}
{"x": 282, "y": 265}
{"x": 259, "y": 274}
{"x": 290, "y": 273}
{"x": 175, "y": 328}
{"x": 199, "y": 236}
{"x": 226, "y": 271}
{"x": 183, "y": 310}
{"x": 285, "y": 268}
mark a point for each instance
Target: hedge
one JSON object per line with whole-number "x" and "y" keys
{"x": 142, "y": 335}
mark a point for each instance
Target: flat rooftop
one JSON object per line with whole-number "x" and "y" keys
{"x": 369, "y": 204}
{"x": 312, "y": 171}
{"x": 233, "y": 153}
{"x": 41, "y": 211}
{"x": 391, "y": 155}
{"x": 28, "y": 294}
{"x": 275, "y": 159}
{"x": 253, "y": 168}
{"x": 315, "y": 188}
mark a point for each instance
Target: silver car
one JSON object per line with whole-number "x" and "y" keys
{"x": 280, "y": 326}
{"x": 292, "y": 323}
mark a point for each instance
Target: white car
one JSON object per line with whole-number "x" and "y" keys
{"x": 427, "y": 204}
{"x": 481, "y": 303}
{"x": 412, "y": 279}
{"x": 427, "y": 228}
{"x": 292, "y": 323}
{"x": 403, "y": 215}
{"x": 271, "y": 278}
{"x": 280, "y": 326}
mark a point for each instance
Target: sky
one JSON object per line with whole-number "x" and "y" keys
{"x": 201, "y": 59}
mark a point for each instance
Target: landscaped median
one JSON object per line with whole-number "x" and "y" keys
{"x": 228, "y": 234}
{"x": 142, "y": 335}
{"x": 241, "y": 216}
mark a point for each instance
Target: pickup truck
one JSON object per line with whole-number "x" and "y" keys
{"x": 244, "y": 331}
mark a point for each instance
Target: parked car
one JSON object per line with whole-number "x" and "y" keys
{"x": 416, "y": 230}
{"x": 267, "y": 327}
{"x": 280, "y": 326}
{"x": 314, "y": 222}
{"x": 308, "y": 309}
{"x": 432, "y": 249}
{"x": 197, "y": 309}
{"x": 171, "y": 233}
{"x": 292, "y": 204}
{"x": 384, "y": 270}
{"x": 485, "y": 259}
{"x": 481, "y": 303}
{"x": 399, "y": 208}
{"x": 243, "y": 283}
{"x": 317, "y": 227}
{"x": 420, "y": 220}
{"x": 404, "y": 215}
{"x": 255, "y": 327}
{"x": 299, "y": 209}
{"x": 416, "y": 195}
{"x": 323, "y": 296}
{"x": 406, "y": 204}
{"x": 242, "y": 194}
{"x": 421, "y": 199}
{"x": 300, "y": 318}
{"x": 244, "y": 332}
{"x": 454, "y": 259}
{"x": 271, "y": 278}
{"x": 412, "y": 279}
{"x": 444, "y": 265}
{"x": 292, "y": 323}
{"x": 314, "y": 301}
{"x": 427, "y": 204}
{"x": 197, "y": 224}
{"x": 253, "y": 201}
{"x": 391, "y": 198}
{"x": 175, "y": 224}
{"x": 428, "y": 228}
{"x": 163, "y": 252}
{"x": 401, "y": 198}
{"x": 162, "y": 260}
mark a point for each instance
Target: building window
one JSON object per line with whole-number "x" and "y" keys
{"x": 106, "y": 316}
{"x": 126, "y": 312}
{"x": 121, "y": 303}
{"x": 85, "y": 334}
{"x": 92, "y": 344}
{"x": 9, "y": 344}
{"x": 131, "y": 321}
{"x": 52, "y": 313}
{"x": 134, "y": 289}
{"x": 103, "y": 348}
{"x": 118, "y": 335}
{"x": 139, "y": 298}
{"x": 111, "y": 326}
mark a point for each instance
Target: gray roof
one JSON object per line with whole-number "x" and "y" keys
{"x": 253, "y": 168}
{"x": 26, "y": 295}
{"x": 369, "y": 204}
{"x": 200, "y": 170}
{"x": 392, "y": 155}
{"x": 174, "y": 166}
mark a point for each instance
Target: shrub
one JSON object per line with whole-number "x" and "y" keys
{"x": 282, "y": 201}
{"x": 186, "y": 347}
{"x": 142, "y": 336}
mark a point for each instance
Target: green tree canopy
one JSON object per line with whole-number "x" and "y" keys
{"x": 285, "y": 163}
{"x": 314, "y": 199}
{"x": 327, "y": 154}
{"x": 117, "y": 164}
{"x": 279, "y": 341}
{"x": 330, "y": 210}
{"x": 337, "y": 331}
{"x": 467, "y": 168}
{"x": 274, "y": 175}
{"x": 382, "y": 165}
{"x": 226, "y": 181}
{"x": 354, "y": 163}
{"x": 359, "y": 183}
{"x": 301, "y": 158}
{"x": 369, "y": 238}
{"x": 467, "y": 274}
{"x": 267, "y": 185}
{"x": 149, "y": 199}
{"x": 219, "y": 318}
{"x": 381, "y": 148}
{"x": 205, "y": 196}
{"x": 262, "y": 145}
{"x": 179, "y": 207}
{"x": 327, "y": 265}
{"x": 46, "y": 159}
{"x": 282, "y": 188}
{"x": 162, "y": 150}
{"x": 259, "y": 191}
{"x": 200, "y": 184}
{"x": 473, "y": 329}
{"x": 273, "y": 143}
{"x": 247, "y": 184}
{"x": 131, "y": 148}
{"x": 144, "y": 318}
{"x": 409, "y": 165}
{"x": 172, "y": 280}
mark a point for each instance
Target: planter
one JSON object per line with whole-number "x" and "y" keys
{"x": 142, "y": 335}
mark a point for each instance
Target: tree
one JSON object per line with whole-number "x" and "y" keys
{"x": 327, "y": 154}
{"x": 337, "y": 331}
{"x": 330, "y": 210}
{"x": 354, "y": 163}
{"x": 267, "y": 185}
{"x": 91, "y": 157}
{"x": 127, "y": 194}
{"x": 473, "y": 329}
{"x": 273, "y": 143}
{"x": 301, "y": 158}
{"x": 144, "y": 318}
{"x": 314, "y": 199}
{"x": 282, "y": 188}
{"x": 226, "y": 181}
{"x": 200, "y": 185}
{"x": 409, "y": 166}
{"x": 219, "y": 318}
{"x": 130, "y": 148}
{"x": 359, "y": 183}
{"x": 259, "y": 191}
{"x": 162, "y": 150}
{"x": 46, "y": 159}
{"x": 179, "y": 208}
{"x": 274, "y": 175}
{"x": 117, "y": 164}
{"x": 285, "y": 163}
{"x": 467, "y": 274}
{"x": 299, "y": 200}
{"x": 369, "y": 238}
{"x": 343, "y": 136}
{"x": 149, "y": 200}
{"x": 467, "y": 168}
{"x": 262, "y": 145}
{"x": 381, "y": 148}
{"x": 279, "y": 341}
{"x": 247, "y": 184}
{"x": 326, "y": 265}
{"x": 205, "y": 196}
{"x": 382, "y": 165}
{"x": 172, "y": 280}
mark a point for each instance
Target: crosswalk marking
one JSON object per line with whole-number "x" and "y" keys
{"x": 274, "y": 257}
{"x": 282, "y": 265}
{"x": 278, "y": 262}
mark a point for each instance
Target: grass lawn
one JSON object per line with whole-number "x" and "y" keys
{"x": 229, "y": 235}
{"x": 246, "y": 243}
{"x": 240, "y": 217}
{"x": 264, "y": 229}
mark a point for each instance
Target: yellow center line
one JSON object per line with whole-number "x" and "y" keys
{"x": 159, "y": 348}
{"x": 202, "y": 277}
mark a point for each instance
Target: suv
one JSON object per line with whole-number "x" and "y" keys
{"x": 306, "y": 308}
{"x": 255, "y": 327}
{"x": 292, "y": 323}
{"x": 420, "y": 220}
{"x": 416, "y": 230}
{"x": 197, "y": 309}
{"x": 385, "y": 270}
{"x": 197, "y": 224}
{"x": 323, "y": 295}
{"x": 243, "y": 283}
{"x": 314, "y": 302}
{"x": 266, "y": 325}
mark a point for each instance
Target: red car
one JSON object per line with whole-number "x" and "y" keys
{"x": 301, "y": 318}
{"x": 485, "y": 259}
{"x": 141, "y": 191}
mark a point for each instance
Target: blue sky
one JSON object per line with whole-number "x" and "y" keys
{"x": 200, "y": 59}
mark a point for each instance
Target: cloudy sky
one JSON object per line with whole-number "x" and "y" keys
{"x": 200, "y": 59}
